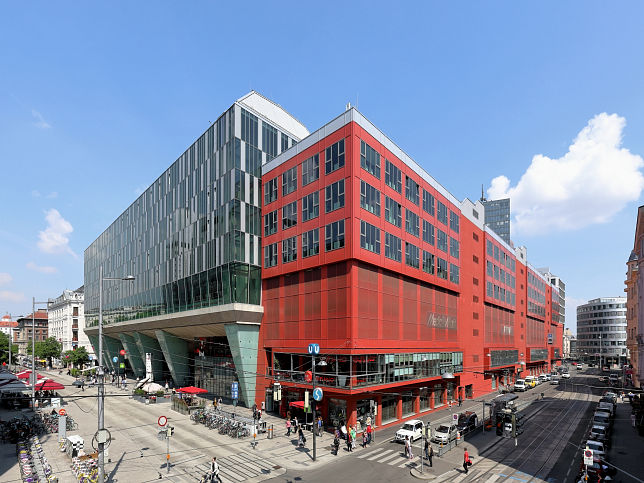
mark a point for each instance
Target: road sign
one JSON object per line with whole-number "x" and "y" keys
{"x": 308, "y": 376}
{"x": 314, "y": 349}
{"x": 115, "y": 359}
{"x": 455, "y": 418}
{"x": 588, "y": 456}
{"x": 62, "y": 412}
{"x": 318, "y": 394}
{"x": 162, "y": 421}
{"x": 122, "y": 365}
{"x": 122, "y": 352}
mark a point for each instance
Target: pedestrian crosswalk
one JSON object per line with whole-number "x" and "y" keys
{"x": 391, "y": 457}
{"x": 235, "y": 469}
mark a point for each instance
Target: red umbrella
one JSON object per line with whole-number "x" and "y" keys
{"x": 49, "y": 385}
{"x": 27, "y": 375}
{"x": 192, "y": 390}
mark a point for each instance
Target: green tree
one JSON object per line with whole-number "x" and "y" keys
{"x": 46, "y": 349}
{"x": 4, "y": 349}
{"x": 77, "y": 357}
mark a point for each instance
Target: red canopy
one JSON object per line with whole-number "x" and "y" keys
{"x": 297, "y": 404}
{"x": 192, "y": 390}
{"x": 27, "y": 375}
{"x": 49, "y": 385}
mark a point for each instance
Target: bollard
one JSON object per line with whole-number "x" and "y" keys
{"x": 270, "y": 432}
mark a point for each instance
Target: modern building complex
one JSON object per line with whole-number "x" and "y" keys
{"x": 23, "y": 332}
{"x": 263, "y": 239}
{"x": 569, "y": 345}
{"x": 558, "y": 284}
{"x": 634, "y": 315}
{"x": 193, "y": 242}
{"x": 601, "y": 331}
{"x": 67, "y": 320}
{"x": 497, "y": 217}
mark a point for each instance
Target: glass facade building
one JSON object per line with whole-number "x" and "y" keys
{"x": 497, "y": 217}
{"x": 601, "y": 330}
{"x": 192, "y": 240}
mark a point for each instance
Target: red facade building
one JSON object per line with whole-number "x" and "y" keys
{"x": 413, "y": 301}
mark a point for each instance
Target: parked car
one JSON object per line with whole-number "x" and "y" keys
{"x": 580, "y": 367}
{"x": 413, "y": 429}
{"x": 519, "y": 385}
{"x": 467, "y": 422}
{"x": 599, "y": 450}
{"x": 554, "y": 380}
{"x": 565, "y": 375}
{"x": 601, "y": 434}
{"x": 603, "y": 378}
{"x": 612, "y": 395}
{"x": 444, "y": 433}
{"x": 609, "y": 400}
{"x": 542, "y": 378}
{"x": 608, "y": 407}
{"x": 602, "y": 420}
{"x": 530, "y": 381}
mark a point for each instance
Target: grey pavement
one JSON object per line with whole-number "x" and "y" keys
{"x": 627, "y": 450}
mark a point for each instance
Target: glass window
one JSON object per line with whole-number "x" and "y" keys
{"x": 454, "y": 221}
{"x": 310, "y": 169}
{"x": 393, "y": 176}
{"x": 411, "y": 190}
{"x": 490, "y": 271}
{"x": 269, "y": 140}
{"x": 270, "y": 255}
{"x": 393, "y": 247}
{"x": 428, "y": 202}
{"x": 249, "y": 127}
{"x": 334, "y": 196}
{"x": 496, "y": 253}
{"x": 289, "y": 215}
{"x": 334, "y": 235}
{"x": 453, "y": 247}
{"x": 289, "y": 181}
{"x": 310, "y": 206}
{"x": 490, "y": 248}
{"x": 428, "y": 262}
{"x": 270, "y": 223}
{"x": 411, "y": 222}
{"x": 489, "y": 289}
{"x": 289, "y": 249}
{"x": 411, "y": 255}
{"x": 441, "y": 212}
{"x": 369, "y": 198}
{"x": 428, "y": 232}
{"x": 453, "y": 273}
{"x": 270, "y": 191}
{"x": 369, "y": 159}
{"x": 393, "y": 212}
{"x": 310, "y": 243}
{"x": 369, "y": 237}
{"x": 441, "y": 268}
{"x": 441, "y": 240}
{"x": 334, "y": 157}
{"x": 284, "y": 143}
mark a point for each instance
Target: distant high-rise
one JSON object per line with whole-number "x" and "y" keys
{"x": 497, "y": 217}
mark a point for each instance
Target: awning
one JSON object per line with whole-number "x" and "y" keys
{"x": 192, "y": 390}
{"x": 297, "y": 404}
{"x": 49, "y": 385}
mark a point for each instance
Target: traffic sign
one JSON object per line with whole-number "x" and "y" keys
{"x": 318, "y": 394}
{"x": 115, "y": 359}
{"x": 162, "y": 421}
{"x": 62, "y": 412}
{"x": 314, "y": 349}
{"x": 455, "y": 418}
{"x": 122, "y": 352}
{"x": 588, "y": 456}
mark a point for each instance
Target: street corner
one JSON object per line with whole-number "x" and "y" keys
{"x": 426, "y": 474}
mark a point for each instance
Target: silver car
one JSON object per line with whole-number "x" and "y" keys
{"x": 444, "y": 434}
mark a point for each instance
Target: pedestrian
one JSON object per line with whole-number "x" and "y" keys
{"x": 429, "y": 452}
{"x": 406, "y": 446}
{"x": 467, "y": 462}
{"x": 364, "y": 439}
{"x": 343, "y": 430}
{"x": 633, "y": 419}
{"x": 288, "y": 427}
{"x": 219, "y": 403}
{"x": 167, "y": 387}
{"x": 295, "y": 424}
{"x": 319, "y": 425}
{"x": 336, "y": 442}
{"x": 369, "y": 430}
{"x": 411, "y": 454}
{"x": 353, "y": 437}
{"x": 460, "y": 400}
{"x": 214, "y": 470}
{"x": 349, "y": 448}
{"x": 301, "y": 438}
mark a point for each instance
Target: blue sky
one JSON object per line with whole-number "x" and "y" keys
{"x": 97, "y": 99}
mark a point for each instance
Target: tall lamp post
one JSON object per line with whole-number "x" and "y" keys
{"x": 601, "y": 363}
{"x": 321, "y": 364}
{"x": 100, "y": 434}
{"x": 33, "y": 349}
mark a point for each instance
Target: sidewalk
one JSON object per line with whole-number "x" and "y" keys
{"x": 627, "y": 450}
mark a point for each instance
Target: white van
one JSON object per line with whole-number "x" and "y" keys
{"x": 519, "y": 385}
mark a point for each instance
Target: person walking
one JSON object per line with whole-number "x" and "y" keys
{"x": 319, "y": 425}
{"x": 369, "y": 429}
{"x": 411, "y": 454}
{"x": 301, "y": 440}
{"x": 466, "y": 460}
{"x": 214, "y": 470}
{"x": 364, "y": 438}
{"x": 429, "y": 452}
{"x": 406, "y": 446}
{"x": 336, "y": 442}
{"x": 460, "y": 400}
{"x": 288, "y": 427}
{"x": 353, "y": 437}
{"x": 349, "y": 447}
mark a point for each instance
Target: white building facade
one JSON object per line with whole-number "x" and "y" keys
{"x": 67, "y": 320}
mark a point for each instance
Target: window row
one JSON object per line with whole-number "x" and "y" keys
{"x": 500, "y": 293}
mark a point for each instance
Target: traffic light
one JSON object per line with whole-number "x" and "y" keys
{"x": 499, "y": 417}
{"x": 170, "y": 431}
{"x": 507, "y": 425}
{"x": 517, "y": 424}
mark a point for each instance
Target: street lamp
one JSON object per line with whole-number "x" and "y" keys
{"x": 101, "y": 434}
{"x": 322, "y": 363}
{"x": 601, "y": 364}
{"x": 33, "y": 349}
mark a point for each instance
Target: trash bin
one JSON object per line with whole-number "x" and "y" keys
{"x": 270, "y": 432}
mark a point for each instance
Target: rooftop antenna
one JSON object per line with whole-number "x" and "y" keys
{"x": 482, "y": 194}
{"x": 348, "y": 106}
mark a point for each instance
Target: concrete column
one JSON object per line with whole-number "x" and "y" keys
{"x": 150, "y": 344}
{"x": 107, "y": 362}
{"x": 133, "y": 355}
{"x": 379, "y": 415}
{"x": 111, "y": 348}
{"x": 243, "y": 340}
{"x": 416, "y": 401}
{"x": 175, "y": 352}
{"x": 399, "y": 407}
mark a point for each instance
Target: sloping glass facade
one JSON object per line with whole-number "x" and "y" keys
{"x": 192, "y": 239}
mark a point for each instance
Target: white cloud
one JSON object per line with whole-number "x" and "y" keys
{"x": 35, "y": 193}
{"x": 39, "y": 120}
{"x": 589, "y": 184}
{"x": 41, "y": 268}
{"x": 54, "y": 238}
{"x": 8, "y": 296}
{"x": 5, "y": 278}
